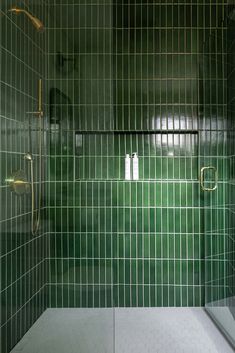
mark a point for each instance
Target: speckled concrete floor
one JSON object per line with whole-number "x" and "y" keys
{"x": 152, "y": 330}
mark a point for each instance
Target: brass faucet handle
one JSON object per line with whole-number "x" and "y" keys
{"x": 18, "y": 183}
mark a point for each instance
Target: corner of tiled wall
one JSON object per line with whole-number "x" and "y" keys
{"x": 23, "y": 256}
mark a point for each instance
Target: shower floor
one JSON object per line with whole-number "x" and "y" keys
{"x": 152, "y": 330}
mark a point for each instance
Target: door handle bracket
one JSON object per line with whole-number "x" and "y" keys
{"x": 202, "y": 180}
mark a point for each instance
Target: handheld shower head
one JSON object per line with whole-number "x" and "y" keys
{"x": 28, "y": 157}
{"x": 35, "y": 21}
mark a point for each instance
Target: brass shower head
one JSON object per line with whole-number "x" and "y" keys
{"x": 35, "y": 21}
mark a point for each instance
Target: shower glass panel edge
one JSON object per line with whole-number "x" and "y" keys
{"x": 216, "y": 139}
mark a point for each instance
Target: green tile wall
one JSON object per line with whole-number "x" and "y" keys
{"x": 120, "y": 77}
{"x": 131, "y": 81}
{"x": 83, "y": 35}
{"x": 23, "y": 275}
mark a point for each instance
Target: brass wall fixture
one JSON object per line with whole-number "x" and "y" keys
{"x": 36, "y": 215}
{"x": 39, "y": 112}
{"x": 18, "y": 183}
{"x": 34, "y": 222}
{"x": 35, "y": 21}
{"x": 202, "y": 178}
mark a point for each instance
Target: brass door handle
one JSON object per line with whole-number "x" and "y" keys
{"x": 203, "y": 169}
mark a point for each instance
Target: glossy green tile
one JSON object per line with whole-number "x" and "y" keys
{"x": 142, "y": 240}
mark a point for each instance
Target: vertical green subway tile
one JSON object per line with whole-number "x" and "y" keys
{"x": 136, "y": 243}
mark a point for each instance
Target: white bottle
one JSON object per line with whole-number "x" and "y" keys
{"x": 127, "y": 167}
{"x": 135, "y": 166}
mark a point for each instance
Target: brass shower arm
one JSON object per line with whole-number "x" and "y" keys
{"x": 35, "y": 21}
{"x": 17, "y": 10}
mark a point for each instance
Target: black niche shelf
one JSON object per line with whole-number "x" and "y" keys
{"x": 136, "y": 132}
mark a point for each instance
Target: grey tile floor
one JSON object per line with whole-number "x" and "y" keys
{"x": 147, "y": 330}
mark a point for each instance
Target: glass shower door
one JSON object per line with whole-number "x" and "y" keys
{"x": 216, "y": 189}
{"x": 81, "y": 168}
